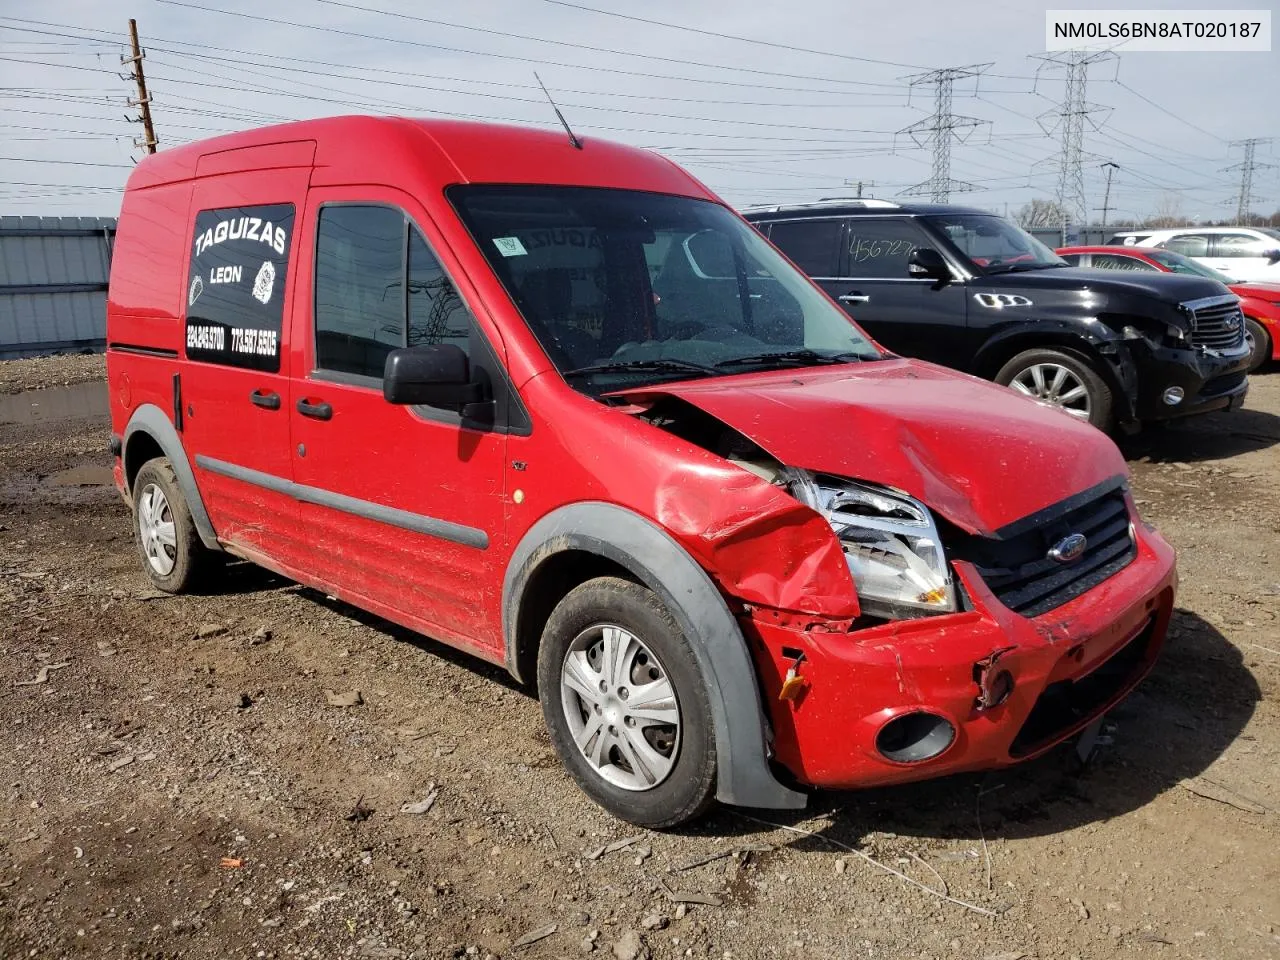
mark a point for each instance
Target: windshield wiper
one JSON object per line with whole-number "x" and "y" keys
{"x": 639, "y": 366}
{"x": 804, "y": 358}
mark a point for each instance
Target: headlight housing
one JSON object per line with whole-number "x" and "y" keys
{"x": 890, "y": 543}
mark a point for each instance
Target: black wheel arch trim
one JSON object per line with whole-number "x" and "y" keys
{"x": 155, "y": 423}
{"x": 651, "y": 555}
{"x": 1085, "y": 336}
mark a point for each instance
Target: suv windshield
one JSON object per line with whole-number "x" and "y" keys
{"x": 994, "y": 245}
{"x": 624, "y": 288}
{"x": 1177, "y": 263}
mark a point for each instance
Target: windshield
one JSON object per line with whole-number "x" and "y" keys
{"x": 1177, "y": 263}
{"x": 624, "y": 288}
{"x": 995, "y": 245}
{"x": 1270, "y": 232}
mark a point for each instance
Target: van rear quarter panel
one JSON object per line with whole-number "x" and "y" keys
{"x": 144, "y": 297}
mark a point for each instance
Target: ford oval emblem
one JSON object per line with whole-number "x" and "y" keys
{"x": 1069, "y": 549}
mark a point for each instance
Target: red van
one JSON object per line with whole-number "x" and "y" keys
{"x": 557, "y": 405}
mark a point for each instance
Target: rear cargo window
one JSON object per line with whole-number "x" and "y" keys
{"x": 235, "y": 288}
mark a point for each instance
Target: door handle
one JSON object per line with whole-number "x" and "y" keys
{"x": 317, "y": 411}
{"x": 268, "y": 400}
{"x": 854, "y": 298}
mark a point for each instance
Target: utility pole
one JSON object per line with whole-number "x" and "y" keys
{"x": 144, "y": 98}
{"x": 860, "y": 184}
{"x": 1106, "y": 197}
{"x": 1067, "y": 120}
{"x": 1247, "y": 166}
{"x": 940, "y": 128}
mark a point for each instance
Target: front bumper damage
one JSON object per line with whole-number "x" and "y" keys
{"x": 1067, "y": 667}
{"x": 1209, "y": 381}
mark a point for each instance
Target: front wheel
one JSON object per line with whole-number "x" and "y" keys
{"x": 1261, "y": 343}
{"x": 1062, "y": 378}
{"x": 626, "y": 704}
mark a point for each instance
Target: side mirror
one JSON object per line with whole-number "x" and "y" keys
{"x": 1273, "y": 256}
{"x": 434, "y": 375}
{"x": 925, "y": 262}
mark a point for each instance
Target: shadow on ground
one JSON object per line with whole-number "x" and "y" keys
{"x": 1194, "y": 704}
{"x": 1215, "y": 436}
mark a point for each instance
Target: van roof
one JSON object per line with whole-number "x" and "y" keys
{"x": 356, "y": 148}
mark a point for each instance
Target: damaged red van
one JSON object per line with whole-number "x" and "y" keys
{"x": 555, "y": 404}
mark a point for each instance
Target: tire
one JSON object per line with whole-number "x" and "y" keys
{"x": 171, "y": 551}
{"x": 1261, "y": 343}
{"x": 1035, "y": 372}
{"x": 673, "y": 781}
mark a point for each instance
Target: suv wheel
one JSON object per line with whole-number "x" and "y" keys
{"x": 172, "y": 553}
{"x": 1063, "y": 378}
{"x": 1261, "y": 343}
{"x": 626, "y": 704}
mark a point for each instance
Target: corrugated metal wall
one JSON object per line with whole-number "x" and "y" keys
{"x": 53, "y": 284}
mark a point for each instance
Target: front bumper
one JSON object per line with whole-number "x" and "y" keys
{"x": 1069, "y": 666}
{"x": 1209, "y": 381}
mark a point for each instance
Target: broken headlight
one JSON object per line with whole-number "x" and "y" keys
{"x": 890, "y": 543}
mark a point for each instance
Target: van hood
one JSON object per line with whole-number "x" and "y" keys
{"x": 976, "y": 453}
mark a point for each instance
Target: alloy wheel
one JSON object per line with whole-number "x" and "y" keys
{"x": 1055, "y": 384}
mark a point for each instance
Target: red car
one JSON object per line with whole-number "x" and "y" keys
{"x": 552, "y": 402}
{"x": 1259, "y": 302}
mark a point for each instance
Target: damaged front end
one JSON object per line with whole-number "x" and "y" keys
{"x": 888, "y": 640}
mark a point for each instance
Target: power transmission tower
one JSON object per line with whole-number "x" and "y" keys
{"x": 940, "y": 128}
{"x": 144, "y": 99}
{"x": 1067, "y": 120}
{"x": 1247, "y": 166}
{"x": 1111, "y": 168}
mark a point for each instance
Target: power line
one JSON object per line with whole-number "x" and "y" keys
{"x": 727, "y": 36}
{"x": 940, "y": 128}
{"x": 239, "y": 15}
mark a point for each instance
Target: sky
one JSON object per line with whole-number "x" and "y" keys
{"x": 765, "y": 102}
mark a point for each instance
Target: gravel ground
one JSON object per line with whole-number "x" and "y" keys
{"x": 19, "y": 375}
{"x": 177, "y": 781}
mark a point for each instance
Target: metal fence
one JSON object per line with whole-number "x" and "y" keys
{"x": 53, "y": 284}
{"x": 1081, "y": 237}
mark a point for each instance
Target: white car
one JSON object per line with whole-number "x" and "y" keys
{"x": 1242, "y": 253}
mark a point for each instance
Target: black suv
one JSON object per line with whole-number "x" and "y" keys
{"x": 970, "y": 290}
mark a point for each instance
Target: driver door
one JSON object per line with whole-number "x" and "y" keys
{"x": 405, "y": 505}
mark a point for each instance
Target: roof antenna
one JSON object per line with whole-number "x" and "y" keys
{"x": 573, "y": 137}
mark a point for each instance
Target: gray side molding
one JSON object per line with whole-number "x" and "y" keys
{"x": 154, "y": 422}
{"x": 661, "y": 564}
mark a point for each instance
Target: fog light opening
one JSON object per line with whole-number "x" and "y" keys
{"x": 1173, "y": 396}
{"x": 915, "y": 737}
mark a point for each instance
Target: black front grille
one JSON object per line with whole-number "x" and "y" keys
{"x": 1218, "y": 326}
{"x": 1026, "y": 579}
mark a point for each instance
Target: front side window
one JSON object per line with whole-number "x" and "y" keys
{"x": 624, "y": 288}
{"x": 814, "y": 245}
{"x": 995, "y": 245}
{"x": 378, "y": 287}
{"x": 1111, "y": 261}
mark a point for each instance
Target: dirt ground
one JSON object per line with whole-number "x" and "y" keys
{"x": 175, "y": 782}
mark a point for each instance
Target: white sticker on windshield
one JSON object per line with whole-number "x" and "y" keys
{"x": 510, "y": 246}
